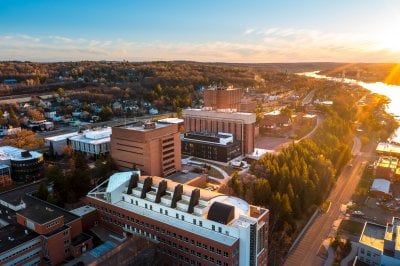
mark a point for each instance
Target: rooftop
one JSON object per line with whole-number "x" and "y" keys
{"x": 246, "y": 118}
{"x": 36, "y": 209}
{"x": 142, "y": 127}
{"x": 373, "y": 235}
{"x": 384, "y": 147}
{"x": 206, "y": 199}
{"x": 62, "y": 137}
{"x": 94, "y": 136}
{"x": 81, "y": 211}
{"x": 9, "y": 152}
{"x": 14, "y": 235}
{"x": 381, "y": 185}
{"x": 171, "y": 120}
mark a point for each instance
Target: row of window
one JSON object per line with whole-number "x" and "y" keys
{"x": 192, "y": 261}
{"x": 168, "y": 233}
{"x": 20, "y": 250}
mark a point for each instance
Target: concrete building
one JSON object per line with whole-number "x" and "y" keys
{"x": 92, "y": 142}
{"x": 241, "y": 125}
{"x": 57, "y": 143}
{"x": 212, "y": 146}
{"x": 217, "y": 97}
{"x": 380, "y": 245}
{"x": 155, "y": 148}
{"x": 36, "y": 232}
{"x": 25, "y": 165}
{"x": 192, "y": 226}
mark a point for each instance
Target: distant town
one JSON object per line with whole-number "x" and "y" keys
{"x": 186, "y": 163}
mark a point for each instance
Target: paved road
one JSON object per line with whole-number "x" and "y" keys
{"x": 305, "y": 253}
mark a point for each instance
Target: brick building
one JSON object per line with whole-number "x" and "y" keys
{"x": 223, "y": 98}
{"x": 241, "y": 125}
{"x": 155, "y": 148}
{"x": 190, "y": 225}
{"x": 38, "y": 233}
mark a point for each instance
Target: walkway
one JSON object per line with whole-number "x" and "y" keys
{"x": 220, "y": 170}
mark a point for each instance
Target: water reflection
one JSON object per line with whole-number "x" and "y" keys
{"x": 390, "y": 91}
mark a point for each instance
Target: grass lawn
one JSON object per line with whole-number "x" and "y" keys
{"x": 351, "y": 227}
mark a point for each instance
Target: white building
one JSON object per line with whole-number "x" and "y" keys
{"x": 191, "y": 225}
{"x": 57, "y": 143}
{"x": 94, "y": 142}
{"x": 380, "y": 245}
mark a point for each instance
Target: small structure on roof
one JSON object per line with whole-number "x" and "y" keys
{"x": 380, "y": 188}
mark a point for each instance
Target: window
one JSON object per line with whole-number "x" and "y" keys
{"x": 362, "y": 250}
{"x": 151, "y": 207}
{"x": 145, "y": 205}
{"x": 213, "y": 227}
{"x": 182, "y": 218}
{"x": 194, "y": 221}
{"x": 369, "y": 253}
{"x": 200, "y": 223}
{"x": 160, "y": 210}
{"x": 166, "y": 212}
{"x": 226, "y": 254}
{"x": 177, "y": 216}
{"x": 198, "y": 244}
{"x": 137, "y": 203}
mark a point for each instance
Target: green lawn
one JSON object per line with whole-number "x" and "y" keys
{"x": 351, "y": 227}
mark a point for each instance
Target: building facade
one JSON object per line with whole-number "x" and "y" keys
{"x": 241, "y": 125}
{"x": 38, "y": 233}
{"x": 212, "y": 146}
{"x": 190, "y": 225}
{"x": 379, "y": 244}
{"x": 92, "y": 142}
{"x": 154, "y": 148}
{"x": 217, "y": 97}
{"x": 25, "y": 165}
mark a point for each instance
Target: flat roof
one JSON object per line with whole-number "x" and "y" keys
{"x": 171, "y": 120}
{"x": 139, "y": 127}
{"x": 246, "y": 118}
{"x": 384, "y": 147}
{"x": 62, "y": 136}
{"x": 14, "y": 235}
{"x": 373, "y": 235}
{"x": 82, "y": 138}
{"x": 381, "y": 185}
{"x": 81, "y": 211}
{"x": 37, "y": 210}
{"x": 13, "y": 153}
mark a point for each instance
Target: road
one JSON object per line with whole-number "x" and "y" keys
{"x": 305, "y": 253}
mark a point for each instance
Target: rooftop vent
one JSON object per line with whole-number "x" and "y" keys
{"x": 25, "y": 154}
{"x": 149, "y": 125}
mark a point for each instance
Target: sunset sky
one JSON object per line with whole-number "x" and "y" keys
{"x": 207, "y": 30}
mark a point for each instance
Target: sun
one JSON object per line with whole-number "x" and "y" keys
{"x": 389, "y": 36}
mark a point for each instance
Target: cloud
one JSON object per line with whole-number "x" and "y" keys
{"x": 260, "y": 45}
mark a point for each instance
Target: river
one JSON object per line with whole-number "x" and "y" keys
{"x": 390, "y": 91}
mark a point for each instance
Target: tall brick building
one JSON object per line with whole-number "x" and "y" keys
{"x": 221, "y": 114}
{"x": 223, "y": 98}
{"x": 192, "y": 226}
{"x": 155, "y": 148}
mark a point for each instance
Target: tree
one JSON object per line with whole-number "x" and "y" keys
{"x": 105, "y": 113}
{"x": 35, "y": 115}
{"x": 43, "y": 191}
{"x": 23, "y": 139}
{"x": 60, "y": 92}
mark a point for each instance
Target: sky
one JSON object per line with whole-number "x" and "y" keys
{"x": 254, "y": 31}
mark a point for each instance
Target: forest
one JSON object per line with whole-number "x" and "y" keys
{"x": 293, "y": 183}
